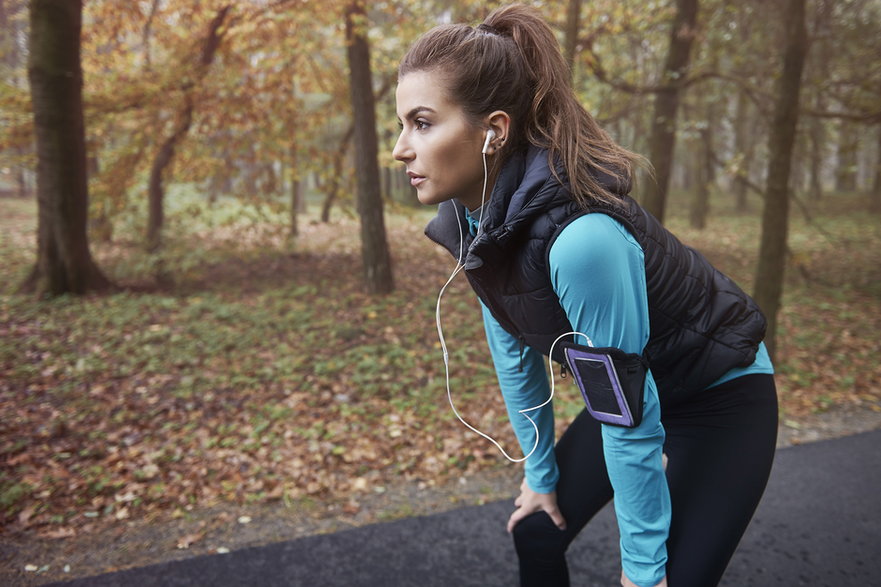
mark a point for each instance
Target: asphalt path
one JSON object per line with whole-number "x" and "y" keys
{"x": 819, "y": 524}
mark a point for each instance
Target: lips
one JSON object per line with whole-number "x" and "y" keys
{"x": 415, "y": 178}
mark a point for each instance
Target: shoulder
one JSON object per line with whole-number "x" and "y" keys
{"x": 593, "y": 237}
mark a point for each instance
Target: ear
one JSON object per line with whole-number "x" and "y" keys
{"x": 500, "y": 123}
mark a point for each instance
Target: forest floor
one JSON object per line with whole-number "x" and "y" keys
{"x": 241, "y": 389}
{"x": 27, "y": 559}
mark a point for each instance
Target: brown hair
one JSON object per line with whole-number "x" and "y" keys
{"x": 512, "y": 62}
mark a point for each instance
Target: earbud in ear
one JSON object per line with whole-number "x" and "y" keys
{"x": 490, "y": 135}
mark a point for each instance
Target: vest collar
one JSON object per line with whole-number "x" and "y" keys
{"x": 525, "y": 188}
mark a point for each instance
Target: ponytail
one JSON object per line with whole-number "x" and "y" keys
{"x": 512, "y": 62}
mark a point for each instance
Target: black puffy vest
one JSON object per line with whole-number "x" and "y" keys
{"x": 701, "y": 323}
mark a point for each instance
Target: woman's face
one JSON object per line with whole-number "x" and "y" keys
{"x": 441, "y": 148}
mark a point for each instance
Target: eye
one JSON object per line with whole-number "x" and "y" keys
{"x": 421, "y": 124}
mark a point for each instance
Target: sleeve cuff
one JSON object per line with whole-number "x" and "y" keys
{"x": 542, "y": 486}
{"x": 645, "y": 577}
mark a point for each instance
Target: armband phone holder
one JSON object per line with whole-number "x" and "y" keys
{"x": 611, "y": 381}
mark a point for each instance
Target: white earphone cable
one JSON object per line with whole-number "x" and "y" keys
{"x": 440, "y": 333}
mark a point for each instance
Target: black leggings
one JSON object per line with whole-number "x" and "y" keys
{"x": 720, "y": 445}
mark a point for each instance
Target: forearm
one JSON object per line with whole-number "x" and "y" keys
{"x": 634, "y": 462}
{"x": 524, "y": 385}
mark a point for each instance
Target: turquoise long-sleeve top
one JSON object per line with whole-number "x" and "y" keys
{"x": 598, "y": 272}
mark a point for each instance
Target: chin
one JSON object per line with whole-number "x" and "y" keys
{"x": 430, "y": 199}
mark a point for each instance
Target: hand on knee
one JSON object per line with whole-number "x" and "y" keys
{"x": 530, "y": 502}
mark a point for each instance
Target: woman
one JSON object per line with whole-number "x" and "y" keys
{"x": 492, "y": 133}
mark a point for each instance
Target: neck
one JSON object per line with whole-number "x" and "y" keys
{"x": 473, "y": 202}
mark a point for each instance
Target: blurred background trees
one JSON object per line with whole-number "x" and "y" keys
{"x": 230, "y": 176}
{"x": 251, "y": 100}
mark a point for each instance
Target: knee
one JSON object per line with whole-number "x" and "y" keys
{"x": 536, "y": 536}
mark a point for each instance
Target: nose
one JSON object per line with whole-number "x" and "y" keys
{"x": 402, "y": 151}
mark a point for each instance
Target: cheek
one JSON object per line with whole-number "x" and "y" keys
{"x": 457, "y": 157}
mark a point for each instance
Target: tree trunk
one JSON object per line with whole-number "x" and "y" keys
{"x": 663, "y": 134}
{"x": 797, "y": 176}
{"x": 156, "y": 191}
{"x": 102, "y": 226}
{"x": 8, "y": 53}
{"x": 64, "y": 261}
{"x": 817, "y": 130}
{"x": 374, "y": 247}
{"x": 775, "y": 218}
{"x": 706, "y": 175}
{"x": 21, "y": 176}
{"x": 295, "y": 191}
{"x": 573, "y": 24}
{"x": 294, "y": 161}
{"x": 745, "y": 133}
{"x": 846, "y": 167}
{"x": 332, "y": 184}
{"x": 875, "y": 197}
{"x": 817, "y": 137}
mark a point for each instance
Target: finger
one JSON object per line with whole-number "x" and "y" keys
{"x": 515, "y": 518}
{"x": 557, "y": 518}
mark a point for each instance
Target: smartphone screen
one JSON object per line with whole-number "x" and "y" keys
{"x": 595, "y": 372}
{"x": 600, "y": 390}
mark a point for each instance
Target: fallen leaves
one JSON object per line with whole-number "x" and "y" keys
{"x": 265, "y": 387}
{"x": 117, "y": 408}
{"x": 187, "y": 540}
{"x": 56, "y": 533}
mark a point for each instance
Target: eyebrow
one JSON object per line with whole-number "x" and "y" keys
{"x": 418, "y": 110}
